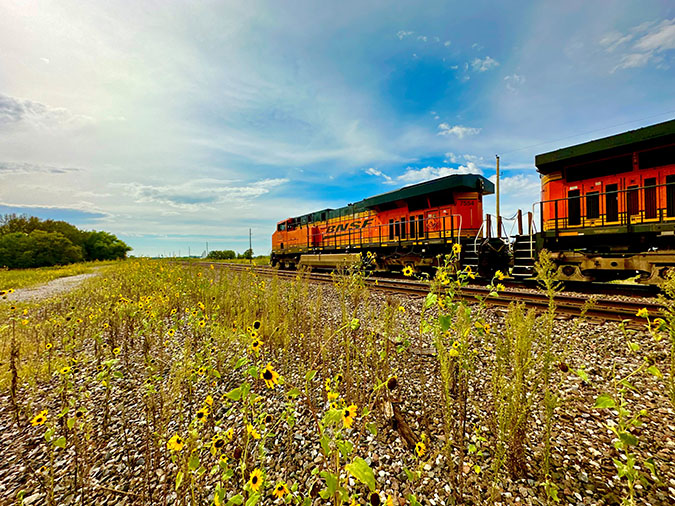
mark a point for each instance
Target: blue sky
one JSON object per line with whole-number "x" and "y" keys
{"x": 172, "y": 124}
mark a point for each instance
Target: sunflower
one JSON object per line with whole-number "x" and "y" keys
{"x": 40, "y": 418}
{"x": 203, "y": 414}
{"x": 374, "y": 499}
{"x": 202, "y": 323}
{"x": 456, "y": 248}
{"x": 49, "y": 346}
{"x": 116, "y": 351}
{"x": 268, "y": 419}
{"x": 499, "y": 275}
{"x": 254, "y": 333}
{"x": 420, "y": 448}
{"x": 252, "y": 432}
{"x": 256, "y": 345}
{"x": 407, "y": 271}
{"x": 79, "y": 414}
{"x": 173, "y": 311}
{"x": 218, "y": 443}
{"x": 270, "y": 376}
{"x": 392, "y": 383}
{"x": 255, "y": 480}
{"x": 209, "y": 400}
{"x": 172, "y": 332}
{"x": 65, "y": 370}
{"x": 229, "y": 433}
{"x": 280, "y": 490}
{"x": 257, "y": 324}
{"x": 642, "y": 313}
{"x": 175, "y": 443}
{"x": 348, "y": 415}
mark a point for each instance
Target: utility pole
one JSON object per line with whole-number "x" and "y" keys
{"x": 499, "y": 217}
{"x": 207, "y": 248}
{"x": 250, "y": 248}
{"x": 189, "y": 254}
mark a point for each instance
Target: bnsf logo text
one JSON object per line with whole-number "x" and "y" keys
{"x": 354, "y": 225}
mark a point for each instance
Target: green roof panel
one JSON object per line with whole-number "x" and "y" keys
{"x": 614, "y": 142}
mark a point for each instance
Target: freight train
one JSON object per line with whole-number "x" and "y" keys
{"x": 607, "y": 211}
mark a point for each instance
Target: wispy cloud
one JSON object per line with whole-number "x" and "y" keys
{"x": 375, "y": 172}
{"x": 514, "y": 81}
{"x": 643, "y": 44}
{"x": 417, "y": 175}
{"x": 483, "y": 65}
{"x": 32, "y": 168}
{"x": 15, "y": 111}
{"x": 402, "y": 34}
{"x": 457, "y": 130}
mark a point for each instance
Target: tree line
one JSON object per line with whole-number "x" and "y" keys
{"x": 28, "y": 241}
{"x": 228, "y": 254}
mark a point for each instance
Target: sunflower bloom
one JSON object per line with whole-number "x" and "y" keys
{"x": 203, "y": 414}
{"x": 40, "y": 418}
{"x": 500, "y": 275}
{"x": 252, "y": 432}
{"x": 407, "y": 271}
{"x": 456, "y": 248}
{"x": 176, "y": 443}
{"x": 348, "y": 415}
{"x": 256, "y": 479}
{"x": 280, "y": 490}
{"x": 270, "y": 376}
{"x": 642, "y": 313}
{"x": 209, "y": 400}
{"x": 256, "y": 345}
{"x": 420, "y": 448}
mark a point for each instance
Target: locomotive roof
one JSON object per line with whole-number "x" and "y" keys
{"x": 457, "y": 182}
{"x": 625, "y": 142}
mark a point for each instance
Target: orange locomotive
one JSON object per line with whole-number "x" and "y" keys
{"x": 608, "y": 207}
{"x": 409, "y": 226}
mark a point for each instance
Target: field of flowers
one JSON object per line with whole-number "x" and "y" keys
{"x": 160, "y": 383}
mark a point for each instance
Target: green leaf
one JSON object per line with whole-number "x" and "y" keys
{"x": 472, "y": 448}
{"x": 360, "y": 469}
{"x": 240, "y": 362}
{"x": 445, "y": 321}
{"x": 179, "y": 479}
{"x": 234, "y": 395}
{"x": 655, "y": 371}
{"x": 345, "y": 447}
{"x": 582, "y": 374}
{"x": 71, "y": 423}
{"x": 412, "y": 499}
{"x": 60, "y": 442}
{"x": 325, "y": 444}
{"x": 355, "y": 324}
{"x": 253, "y": 371}
{"x": 604, "y": 401}
{"x": 237, "y": 499}
{"x": 430, "y": 300}
{"x": 628, "y": 438}
{"x": 633, "y": 346}
{"x": 309, "y": 376}
{"x": 372, "y": 428}
{"x": 193, "y": 463}
{"x": 295, "y": 392}
{"x": 331, "y": 482}
{"x": 253, "y": 500}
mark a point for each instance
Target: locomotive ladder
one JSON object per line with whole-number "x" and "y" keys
{"x": 523, "y": 261}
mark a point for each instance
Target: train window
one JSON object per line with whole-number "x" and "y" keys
{"x": 612, "y": 202}
{"x": 391, "y": 230}
{"x": 573, "y": 207}
{"x": 281, "y": 227}
{"x": 420, "y": 225}
{"x": 670, "y": 196}
{"x": 593, "y": 205}
{"x": 650, "y": 198}
{"x": 403, "y": 229}
{"x": 633, "y": 200}
{"x": 397, "y": 228}
{"x": 412, "y": 227}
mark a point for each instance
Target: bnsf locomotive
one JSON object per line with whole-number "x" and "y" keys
{"x": 607, "y": 211}
{"x": 410, "y": 226}
{"x": 607, "y": 208}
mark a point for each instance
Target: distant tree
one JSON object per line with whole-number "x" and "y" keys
{"x": 104, "y": 246}
{"x": 226, "y": 254}
{"x": 248, "y": 254}
{"x": 37, "y": 249}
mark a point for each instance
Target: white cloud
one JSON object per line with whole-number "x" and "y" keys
{"x": 447, "y": 43}
{"x": 458, "y": 130}
{"x": 413, "y": 175}
{"x": 33, "y": 168}
{"x": 17, "y": 111}
{"x": 402, "y": 34}
{"x": 423, "y": 38}
{"x": 644, "y": 44}
{"x": 482, "y": 65}
{"x": 513, "y": 81}
{"x": 375, "y": 172}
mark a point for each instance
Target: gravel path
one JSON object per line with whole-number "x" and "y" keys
{"x": 54, "y": 287}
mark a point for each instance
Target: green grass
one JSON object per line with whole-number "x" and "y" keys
{"x": 22, "y": 278}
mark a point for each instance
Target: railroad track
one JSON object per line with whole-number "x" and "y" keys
{"x": 599, "y": 308}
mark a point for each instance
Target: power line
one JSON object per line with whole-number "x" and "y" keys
{"x": 586, "y": 133}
